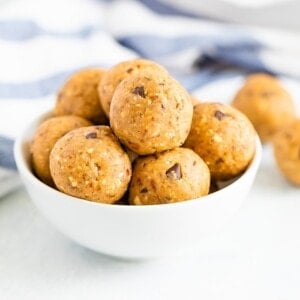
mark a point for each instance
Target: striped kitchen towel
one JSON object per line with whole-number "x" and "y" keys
{"x": 43, "y": 42}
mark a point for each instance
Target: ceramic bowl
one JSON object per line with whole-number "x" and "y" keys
{"x": 135, "y": 232}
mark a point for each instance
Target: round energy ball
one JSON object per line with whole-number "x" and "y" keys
{"x": 89, "y": 163}
{"x": 266, "y": 103}
{"x": 45, "y": 138}
{"x": 223, "y": 137}
{"x": 287, "y": 151}
{"x": 79, "y": 96}
{"x": 151, "y": 112}
{"x": 112, "y": 78}
{"x": 167, "y": 177}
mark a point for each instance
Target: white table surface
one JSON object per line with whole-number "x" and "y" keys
{"x": 256, "y": 256}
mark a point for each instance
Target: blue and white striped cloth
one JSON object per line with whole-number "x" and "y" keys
{"x": 42, "y": 42}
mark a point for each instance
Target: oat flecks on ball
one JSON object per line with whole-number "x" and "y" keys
{"x": 79, "y": 96}
{"x": 223, "y": 137}
{"x": 151, "y": 112}
{"x": 89, "y": 163}
{"x": 266, "y": 103}
{"x": 168, "y": 177}
{"x": 112, "y": 78}
{"x": 287, "y": 151}
{"x": 44, "y": 139}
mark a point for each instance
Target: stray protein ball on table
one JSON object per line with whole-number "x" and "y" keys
{"x": 266, "y": 103}
{"x": 151, "y": 112}
{"x": 79, "y": 96}
{"x": 45, "y": 138}
{"x": 223, "y": 137}
{"x": 112, "y": 78}
{"x": 90, "y": 163}
{"x": 168, "y": 177}
{"x": 286, "y": 145}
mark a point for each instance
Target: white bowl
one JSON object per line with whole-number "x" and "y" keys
{"x": 133, "y": 231}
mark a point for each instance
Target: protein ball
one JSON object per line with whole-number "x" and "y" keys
{"x": 172, "y": 176}
{"x": 151, "y": 112}
{"x": 44, "y": 139}
{"x": 223, "y": 137}
{"x": 89, "y": 163}
{"x": 287, "y": 151}
{"x": 266, "y": 103}
{"x": 112, "y": 78}
{"x": 79, "y": 96}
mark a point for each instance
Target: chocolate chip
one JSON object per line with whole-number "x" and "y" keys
{"x": 194, "y": 163}
{"x": 162, "y": 106}
{"x": 129, "y": 70}
{"x": 167, "y": 199}
{"x": 174, "y": 172}
{"x": 91, "y": 135}
{"x": 140, "y": 91}
{"x": 220, "y": 160}
{"x": 267, "y": 94}
{"x": 153, "y": 184}
{"x": 144, "y": 190}
{"x": 219, "y": 115}
{"x": 97, "y": 166}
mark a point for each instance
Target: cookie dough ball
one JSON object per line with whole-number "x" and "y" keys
{"x": 79, "y": 96}
{"x": 167, "y": 177}
{"x": 89, "y": 163}
{"x": 44, "y": 139}
{"x": 287, "y": 152}
{"x": 112, "y": 78}
{"x": 223, "y": 137}
{"x": 266, "y": 103}
{"x": 151, "y": 112}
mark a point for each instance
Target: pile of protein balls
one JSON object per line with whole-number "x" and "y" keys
{"x": 131, "y": 135}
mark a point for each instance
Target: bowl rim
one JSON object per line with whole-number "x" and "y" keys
{"x": 25, "y": 170}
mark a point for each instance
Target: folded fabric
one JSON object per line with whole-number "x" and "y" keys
{"x": 43, "y": 42}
